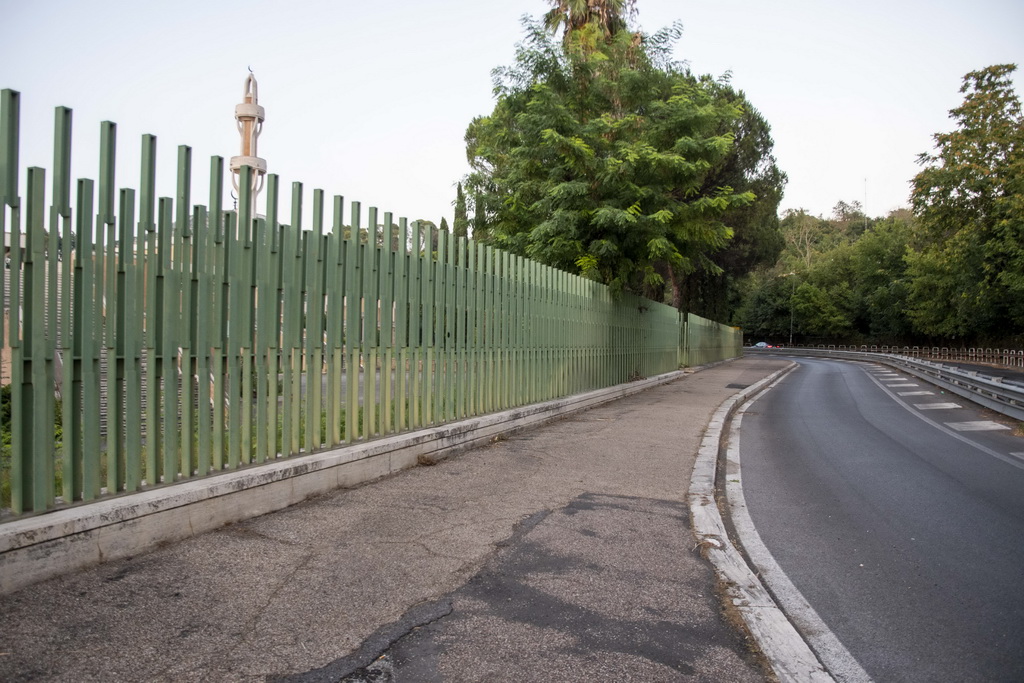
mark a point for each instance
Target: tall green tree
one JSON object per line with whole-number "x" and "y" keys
{"x": 750, "y": 166}
{"x": 596, "y": 155}
{"x": 461, "y": 223}
{"x": 607, "y": 16}
{"x": 967, "y": 280}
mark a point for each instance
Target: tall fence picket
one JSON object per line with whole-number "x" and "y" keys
{"x": 151, "y": 340}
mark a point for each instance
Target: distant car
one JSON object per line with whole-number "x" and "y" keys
{"x": 762, "y": 345}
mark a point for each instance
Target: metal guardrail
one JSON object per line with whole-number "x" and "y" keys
{"x": 1000, "y": 395}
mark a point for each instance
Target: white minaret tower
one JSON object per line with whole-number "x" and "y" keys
{"x": 249, "y": 116}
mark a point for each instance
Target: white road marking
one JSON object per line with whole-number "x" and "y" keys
{"x": 902, "y": 385}
{"x": 789, "y": 654}
{"x": 936, "y": 406}
{"x": 1014, "y": 461}
{"x": 1018, "y": 455}
{"x": 841, "y": 665}
{"x": 976, "y": 426}
{"x": 916, "y": 393}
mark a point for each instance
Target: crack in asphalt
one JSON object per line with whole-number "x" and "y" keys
{"x": 360, "y": 665}
{"x": 371, "y": 649}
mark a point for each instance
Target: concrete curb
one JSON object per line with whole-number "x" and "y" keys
{"x": 787, "y": 652}
{"x": 840, "y": 664}
{"x": 47, "y": 545}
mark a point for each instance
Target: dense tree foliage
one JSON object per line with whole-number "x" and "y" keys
{"x": 951, "y": 272}
{"x": 835, "y": 281}
{"x": 969, "y": 277}
{"x": 716, "y": 291}
{"x": 606, "y": 158}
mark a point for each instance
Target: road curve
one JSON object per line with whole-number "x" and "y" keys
{"x": 900, "y": 522}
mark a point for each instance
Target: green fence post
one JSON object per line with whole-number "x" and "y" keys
{"x": 184, "y": 322}
{"x": 402, "y": 308}
{"x": 202, "y": 297}
{"x": 416, "y": 326}
{"x": 387, "y": 301}
{"x": 32, "y": 397}
{"x": 353, "y": 322}
{"x": 370, "y": 329}
{"x": 169, "y": 303}
{"x": 428, "y": 276}
{"x": 336, "y": 323}
{"x": 217, "y": 241}
{"x": 292, "y": 278}
{"x": 129, "y": 340}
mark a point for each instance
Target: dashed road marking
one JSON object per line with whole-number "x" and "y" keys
{"x": 936, "y": 406}
{"x": 915, "y": 393}
{"x": 902, "y": 385}
{"x": 976, "y": 426}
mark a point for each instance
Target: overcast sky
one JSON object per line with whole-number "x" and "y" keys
{"x": 370, "y": 100}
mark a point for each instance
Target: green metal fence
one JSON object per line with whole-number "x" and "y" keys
{"x": 705, "y": 341}
{"x": 152, "y": 340}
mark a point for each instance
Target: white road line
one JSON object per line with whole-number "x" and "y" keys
{"x": 833, "y": 654}
{"x": 1018, "y": 455}
{"x": 1009, "y": 460}
{"x": 916, "y": 393}
{"x": 936, "y": 406}
{"x": 903, "y": 385}
{"x": 790, "y": 656}
{"x": 976, "y": 426}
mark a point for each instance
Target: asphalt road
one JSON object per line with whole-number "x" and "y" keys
{"x": 900, "y": 522}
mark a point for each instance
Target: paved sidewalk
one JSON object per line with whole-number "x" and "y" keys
{"x": 563, "y": 553}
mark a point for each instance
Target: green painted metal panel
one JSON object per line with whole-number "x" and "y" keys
{"x": 415, "y": 327}
{"x": 203, "y": 294}
{"x": 168, "y": 302}
{"x": 402, "y": 325}
{"x": 386, "y": 292}
{"x": 314, "y": 324}
{"x": 438, "y": 343}
{"x": 292, "y": 268}
{"x": 336, "y": 323}
{"x": 353, "y": 322}
{"x": 10, "y": 114}
{"x": 32, "y": 458}
{"x": 371, "y": 329}
{"x": 185, "y": 367}
{"x": 73, "y": 421}
{"x": 234, "y": 344}
{"x": 428, "y": 333}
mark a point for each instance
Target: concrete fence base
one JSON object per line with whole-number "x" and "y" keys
{"x": 47, "y": 545}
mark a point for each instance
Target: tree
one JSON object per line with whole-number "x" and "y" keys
{"x": 968, "y": 277}
{"x": 879, "y": 274}
{"x": 479, "y": 218}
{"x": 428, "y": 235}
{"x": 807, "y": 237}
{"x": 843, "y": 289}
{"x": 850, "y": 219}
{"x": 595, "y": 157}
{"x": 608, "y": 16}
{"x": 757, "y": 240}
{"x": 461, "y": 225}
